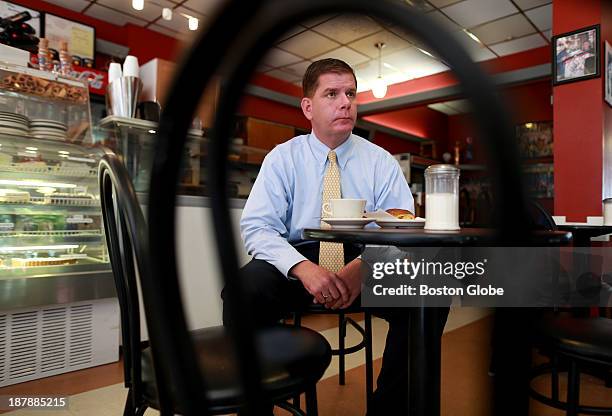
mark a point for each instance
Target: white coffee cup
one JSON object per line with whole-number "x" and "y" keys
{"x": 344, "y": 208}
{"x": 607, "y": 211}
{"x": 130, "y": 67}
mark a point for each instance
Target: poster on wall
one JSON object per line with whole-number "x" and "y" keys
{"x": 576, "y": 55}
{"x": 608, "y": 74}
{"x": 8, "y": 9}
{"x": 81, "y": 38}
{"x": 535, "y": 139}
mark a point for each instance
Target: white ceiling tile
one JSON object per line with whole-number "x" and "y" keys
{"x": 519, "y": 45}
{"x": 505, "y": 29}
{"x": 541, "y": 17}
{"x": 109, "y": 15}
{"x": 205, "y": 7}
{"x": 443, "y": 3}
{"x": 477, "y": 51}
{"x": 297, "y": 69}
{"x": 308, "y": 44}
{"x": 548, "y": 34}
{"x": 345, "y": 54}
{"x": 461, "y": 106}
{"x": 392, "y": 43}
{"x": 285, "y": 76}
{"x": 471, "y": 13}
{"x": 179, "y": 22}
{"x": 76, "y": 5}
{"x": 369, "y": 71}
{"x": 444, "y": 21}
{"x": 291, "y": 32}
{"x": 530, "y": 4}
{"x": 414, "y": 63}
{"x": 276, "y": 57}
{"x": 348, "y": 27}
{"x": 150, "y": 12}
{"x": 443, "y": 108}
{"x": 317, "y": 20}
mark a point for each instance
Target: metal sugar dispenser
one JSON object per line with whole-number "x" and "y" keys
{"x": 442, "y": 197}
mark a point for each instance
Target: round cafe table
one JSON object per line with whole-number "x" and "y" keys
{"x": 424, "y": 354}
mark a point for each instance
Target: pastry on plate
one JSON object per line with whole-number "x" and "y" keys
{"x": 401, "y": 214}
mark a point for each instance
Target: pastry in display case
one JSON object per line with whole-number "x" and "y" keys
{"x": 53, "y": 256}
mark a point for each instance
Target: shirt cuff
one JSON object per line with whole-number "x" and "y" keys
{"x": 287, "y": 261}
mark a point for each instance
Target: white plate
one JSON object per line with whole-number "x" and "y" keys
{"x": 16, "y": 132}
{"x": 14, "y": 125}
{"x": 397, "y": 223}
{"x": 346, "y": 223}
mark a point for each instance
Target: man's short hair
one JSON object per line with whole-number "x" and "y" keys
{"x": 310, "y": 82}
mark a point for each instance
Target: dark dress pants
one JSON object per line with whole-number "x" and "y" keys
{"x": 271, "y": 296}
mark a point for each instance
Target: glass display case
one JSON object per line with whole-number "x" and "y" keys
{"x": 134, "y": 140}
{"x": 58, "y": 306}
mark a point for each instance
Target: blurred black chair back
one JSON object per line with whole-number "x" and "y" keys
{"x": 125, "y": 231}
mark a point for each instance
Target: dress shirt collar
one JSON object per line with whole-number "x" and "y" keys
{"x": 320, "y": 150}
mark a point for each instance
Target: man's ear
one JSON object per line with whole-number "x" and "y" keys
{"x": 307, "y": 107}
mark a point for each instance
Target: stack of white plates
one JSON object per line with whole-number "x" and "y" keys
{"x": 48, "y": 129}
{"x": 11, "y": 123}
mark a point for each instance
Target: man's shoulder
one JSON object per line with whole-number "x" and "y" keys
{"x": 290, "y": 145}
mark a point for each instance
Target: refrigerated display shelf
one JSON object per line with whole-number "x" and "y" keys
{"x": 61, "y": 171}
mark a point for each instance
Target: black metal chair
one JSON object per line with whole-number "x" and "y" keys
{"x": 293, "y": 359}
{"x": 342, "y": 350}
{"x": 572, "y": 344}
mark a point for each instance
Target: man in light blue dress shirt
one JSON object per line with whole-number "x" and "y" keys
{"x": 286, "y": 198}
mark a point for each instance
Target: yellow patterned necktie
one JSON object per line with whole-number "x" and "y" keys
{"x": 331, "y": 255}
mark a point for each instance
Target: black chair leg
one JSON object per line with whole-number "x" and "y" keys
{"x": 297, "y": 322}
{"x": 554, "y": 377}
{"x": 311, "y": 401}
{"x": 341, "y": 348}
{"x": 573, "y": 389}
{"x": 368, "y": 357}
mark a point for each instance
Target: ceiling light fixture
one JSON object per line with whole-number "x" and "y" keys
{"x": 472, "y": 36}
{"x": 138, "y": 4}
{"x": 379, "y": 86}
{"x": 193, "y": 23}
{"x": 167, "y": 13}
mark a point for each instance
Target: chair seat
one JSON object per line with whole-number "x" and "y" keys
{"x": 301, "y": 361}
{"x": 589, "y": 338}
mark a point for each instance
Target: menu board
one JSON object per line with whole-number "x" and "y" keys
{"x": 81, "y": 38}
{"x": 8, "y": 9}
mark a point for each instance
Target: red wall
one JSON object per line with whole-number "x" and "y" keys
{"x": 143, "y": 43}
{"x": 578, "y": 121}
{"x": 395, "y": 145}
{"x": 419, "y": 121}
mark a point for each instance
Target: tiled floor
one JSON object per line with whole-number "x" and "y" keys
{"x": 466, "y": 386}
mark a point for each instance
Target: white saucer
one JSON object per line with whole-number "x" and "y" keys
{"x": 397, "y": 223}
{"x": 347, "y": 223}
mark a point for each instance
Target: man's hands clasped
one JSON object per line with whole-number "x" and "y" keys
{"x": 332, "y": 290}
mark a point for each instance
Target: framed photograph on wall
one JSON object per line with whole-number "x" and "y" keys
{"x": 8, "y": 9}
{"x": 81, "y": 38}
{"x": 608, "y": 74}
{"x": 576, "y": 55}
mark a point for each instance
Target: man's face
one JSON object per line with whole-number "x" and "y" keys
{"x": 332, "y": 110}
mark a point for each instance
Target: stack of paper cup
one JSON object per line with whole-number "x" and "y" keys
{"x": 123, "y": 91}
{"x": 130, "y": 67}
{"x": 114, "y": 72}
